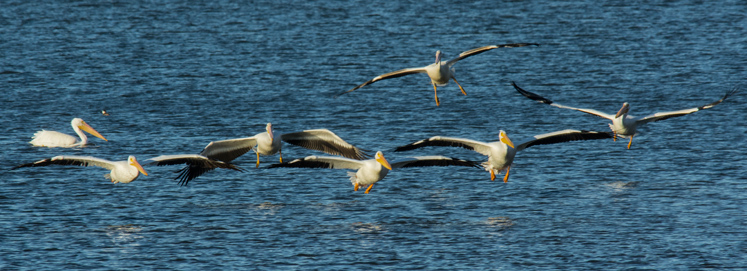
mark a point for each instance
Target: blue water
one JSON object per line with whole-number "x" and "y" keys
{"x": 175, "y": 75}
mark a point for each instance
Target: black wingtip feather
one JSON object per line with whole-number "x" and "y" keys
{"x": 429, "y": 142}
{"x": 530, "y": 95}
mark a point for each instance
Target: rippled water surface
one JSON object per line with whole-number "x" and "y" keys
{"x": 175, "y": 75}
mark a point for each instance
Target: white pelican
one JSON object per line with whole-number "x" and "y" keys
{"x": 269, "y": 143}
{"x": 625, "y": 125}
{"x": 121, "y": 171}
{"x": 53, "y": 139}
{"x": 501, "y": 153}
{"x": 196, "y": 165}
{"x": 372, "y": 170}
{"x": 440, "y": 72}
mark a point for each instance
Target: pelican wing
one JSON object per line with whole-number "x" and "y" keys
{"x": 229, "y": 149}
{"x": 196, "y": 165}
{"x": 483, "y": 49}
{"x": 563, "y": 136}
{"x": 671, "y": 114}
{"x": 322, "y": 162}
{"x": 432, "y": 161}
{"x": 326, "y": 141}
{"x": 71, "y": 160}
{"x": 546, "y": 101}
{"x": 478, "y": 146}
{"x": 390, "y": 75}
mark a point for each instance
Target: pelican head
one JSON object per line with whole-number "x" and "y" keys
{"x": 623, "y": 110}
{"x": 269, "y": 131}
{"x": 78, "y": 123}
{"x": 438, "y": 56}
{"x": 133, "y": 162}
{"x": 380, "y": 158}
{"x": 504, "y": 138}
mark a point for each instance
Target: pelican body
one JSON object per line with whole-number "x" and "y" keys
{"x": 623, "y": 124}
{"x": 501, "y": 153}
{"x": 53, "y": 139}
{"x": 440, "y": 72}
{"x": 370, "y": 171}
{"x": 121, "y": 171}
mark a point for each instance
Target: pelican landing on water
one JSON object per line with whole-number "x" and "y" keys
{"x": 501, "y": 153}
{"x": 53, "y": 139}
{"x": 624, "y": 125}
{"x": 440, "y": 72}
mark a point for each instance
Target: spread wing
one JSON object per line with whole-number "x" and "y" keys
{"x": 478, "y": 146}
{"x": 71, "y": 160}
{"x": 431, "y": 161}
{"x": 671, "y": 114}
{"x": 547, "y": 101}
{"x": 326, "y": 141}
{"x": 196, "y": 165}
{"x": 322, "y": 162}
{"x": 563, "y": 136}
{"x": 229, "y": 149}
{"x": 390, "y": 75}
{"x": 483, "y": 49}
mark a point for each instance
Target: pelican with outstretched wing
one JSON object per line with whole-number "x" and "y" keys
{"x": 220, "y": 154}
{"x": 501, "y": 153}
{"x": 121, "y": 171}
{"x": 54, "y": 139}
{"x": 368, "y": 172}
{"x": 440, "y": 72}
{"x": 625, "y": 125}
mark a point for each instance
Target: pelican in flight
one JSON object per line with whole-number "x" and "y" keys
{"x": 121, "y": 171}
{"x": 625, "y": 125}
{"x": 219, "y": 154}
{"x": 196, "y": 165}
{"x": 373, "y": 170}
{"x": 501, "y": 153}
{"x": 53, "y": 139}
{"x": 440, "y": 72}
{"x": 270, "y": 142}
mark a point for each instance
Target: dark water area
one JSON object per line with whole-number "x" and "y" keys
{"x": 175, "y": 75}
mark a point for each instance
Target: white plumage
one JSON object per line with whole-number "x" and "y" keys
{"x": 501, "y": 153}
{"x": 625, "y": 125}
{"x": 53, "y": 139}
{"x": 121, "y": 171}
{"x": 440, "y": 72}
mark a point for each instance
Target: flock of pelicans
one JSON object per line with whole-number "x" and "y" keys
{"x": 220, "y": 154}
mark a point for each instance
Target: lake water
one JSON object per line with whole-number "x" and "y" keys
{"x": 175, "y": 75}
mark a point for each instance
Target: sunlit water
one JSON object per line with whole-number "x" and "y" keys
{"x": 176, "y": 75}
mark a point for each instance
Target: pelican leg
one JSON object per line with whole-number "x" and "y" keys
{"x": 460, "y": 86}
{"x": 492, "y": 175}
{"x": 257, "y": 159}
{"x": 357, "y": 185}
{"x": 631, "y": 142}
{"x": 369, "y": 188}
{"x": 435, "y": 92}
{"x": 614, "y": 135}
{"x": 281, "y": 156}
{"x": 505, "y": 179}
